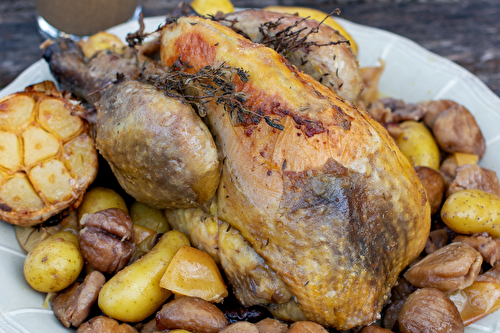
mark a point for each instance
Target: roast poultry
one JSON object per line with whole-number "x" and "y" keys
{"x": 329, "y": 202}
{"x": 316, "y": 216}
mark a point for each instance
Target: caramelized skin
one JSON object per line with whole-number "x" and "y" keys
{"x": 329, "y": 202}
{"x": 335, "y": 66}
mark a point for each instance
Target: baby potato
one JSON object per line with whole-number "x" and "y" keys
{"x": 471, "y": 211}
{"x": 148, "y": 217}
{"x": 100, "y": 198}
{"x": 206, "y": 7}
{"x": 134, "y": 293}
{"x": 102, "y": 41}
{"x": 417, "y": 144}
{"x": 54, "y": 264}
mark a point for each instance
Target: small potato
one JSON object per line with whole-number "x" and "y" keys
{"x": 418, "y": 145}
{"x": 102, "y": 41}
{"x": 54, "y": 264}
{"x": 456, "y": 130}
{"x": 148, "y": 217}
{"x": 434, "y": 186}
{"x": 134, "y": 293}
{"x": 100, "y": 198}
{"x": 471, "y": 211}
{"x": 205, "y": 7}
{"x": 194, "y": 273}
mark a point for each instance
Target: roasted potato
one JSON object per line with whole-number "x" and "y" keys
{"x": 148, "y": 217}
{"x": 102, "y": 41}
{"x": 54, "y": 264}
{"x": 134, "y": 293}
{"x": 100, "y": 198}
{"x": 206, "y": 7}
{"x": 471, "y": 211}
{"x": 418, "y": 145}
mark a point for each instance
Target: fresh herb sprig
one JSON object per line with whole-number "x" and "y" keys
{"x": 292, "y": 38}
{"x": 207, "y": 84}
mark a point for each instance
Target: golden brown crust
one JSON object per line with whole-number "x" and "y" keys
{"x": 329, "y": 202}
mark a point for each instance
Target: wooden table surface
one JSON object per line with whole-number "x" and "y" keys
{"x": 466, "y": 32}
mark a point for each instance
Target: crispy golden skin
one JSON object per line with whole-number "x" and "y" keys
{"x": 329, "y": 202}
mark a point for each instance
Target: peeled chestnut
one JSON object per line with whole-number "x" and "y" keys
{"x": 429, "y": 310}
{"x": 107, "y": 239}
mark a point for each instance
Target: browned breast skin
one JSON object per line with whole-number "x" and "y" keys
{"x": 335, "y": 66}
{"x": 329, "y": 202}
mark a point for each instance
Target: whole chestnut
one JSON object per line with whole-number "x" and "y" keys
{"x": 429, "y": 310}
{"x": 107, "y": 239}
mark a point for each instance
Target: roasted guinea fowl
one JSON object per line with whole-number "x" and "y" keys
{"x": 329, "y": 203}
{"x": 147, "y": 138}
{"x": 316, "y": 215}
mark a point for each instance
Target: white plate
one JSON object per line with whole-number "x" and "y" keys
{"x": 412, "y": 74}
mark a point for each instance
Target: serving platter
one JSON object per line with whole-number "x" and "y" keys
{"x": 412, "y": 74}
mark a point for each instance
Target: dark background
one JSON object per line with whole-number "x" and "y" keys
{"x": 466, "y": 32}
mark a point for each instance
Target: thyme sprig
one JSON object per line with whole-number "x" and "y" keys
{"x": 207, "y": 84}
{"x": 292, "y": 38}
